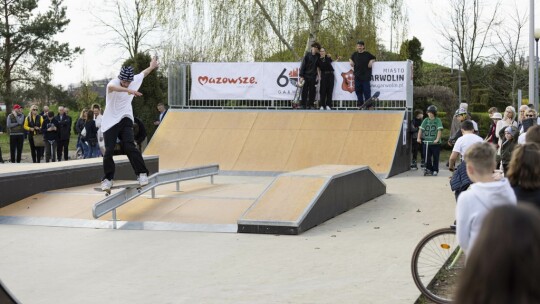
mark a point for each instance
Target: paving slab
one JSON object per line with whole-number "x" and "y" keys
{"x": 361, "y": 256}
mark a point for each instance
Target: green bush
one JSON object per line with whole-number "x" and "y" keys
{"x": 478, "y": 107}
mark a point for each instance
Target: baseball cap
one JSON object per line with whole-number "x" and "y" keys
{"x": 461, "y": 111}
{"x": 496, "y": 116}
{"x": 16, "y": 107}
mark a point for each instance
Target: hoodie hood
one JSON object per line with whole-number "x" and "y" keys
{"x": 494, "y": 194}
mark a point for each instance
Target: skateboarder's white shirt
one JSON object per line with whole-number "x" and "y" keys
{"x": 118, "y": 104}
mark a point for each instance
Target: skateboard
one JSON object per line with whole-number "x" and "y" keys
{"x": 121, "y": 186}
{"x": 369, "y": 103}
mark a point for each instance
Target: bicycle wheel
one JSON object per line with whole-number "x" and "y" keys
{"x": 431, "y": 265}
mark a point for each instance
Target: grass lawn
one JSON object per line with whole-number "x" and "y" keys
{"x": 4, "y": 144}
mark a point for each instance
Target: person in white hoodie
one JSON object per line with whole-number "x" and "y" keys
{"x": 484, "y": 194}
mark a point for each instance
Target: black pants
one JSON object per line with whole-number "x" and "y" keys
{"x": 308, "y": 93}
{"x": 416, "y": 147}
{"x": 123, "y": 131}
{"x": 327, "y": 88}
{"x": 432, "y": 157}
{"x": 35, "y": 151}
{"x": 63, "y": 146}
{"x": 15, "y": 147}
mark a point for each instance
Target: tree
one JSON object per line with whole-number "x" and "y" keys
{"x": 413, "y": 50}
{"x": 236, "y": 30}
{"x": 131, "y": 22}
{"x": 28, "y": 46}
{"x": 509, "y": 48}
{"x": 469, "y": 30}
{"x": 86, "y": 97}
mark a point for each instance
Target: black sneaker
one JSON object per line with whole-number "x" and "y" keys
{"x": 428, "y": 173}
{"x": 423, "y": 164}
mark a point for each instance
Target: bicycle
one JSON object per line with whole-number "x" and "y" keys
{"x": 436, "y": 264}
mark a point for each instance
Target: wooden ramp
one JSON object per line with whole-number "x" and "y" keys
{"x": 300, "y": 200}
{"x": 281, "y": 141}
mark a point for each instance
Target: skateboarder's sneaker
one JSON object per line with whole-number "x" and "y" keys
{"x": 143, "y": 179}
{"x": 328, "y": 108}
{"x": 428, "y": 173}
{"x": 106, "y": 185}
{"x": 435, "y": 173}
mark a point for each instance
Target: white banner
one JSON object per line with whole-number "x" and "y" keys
{"x": 276, "y": 80}
{"x": 280, "y": 80}
{"x": 387, "y": 77}
{"x": 229, "y": 80}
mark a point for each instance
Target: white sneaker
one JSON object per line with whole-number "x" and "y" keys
{"x": 106, "y": 185}
{"x": 328, "y": 108}
{"x": 143, "y": 179}
{"x": 322, "y": 108}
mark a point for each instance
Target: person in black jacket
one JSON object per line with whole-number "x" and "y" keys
{"x": 162, "y": 111}
{"x": 415, "y": 124}
{"x": 77, "y": 129}
{"x": 308, "y": 75}
{"x": 90, "y": 137}
{"x": 49, "y": 128}
{"x": 139, "y": 131}
{"x": 64, "y": 133}
{"x": 327, "y": 79}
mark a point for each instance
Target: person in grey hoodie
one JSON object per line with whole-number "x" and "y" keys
{"x": 484, "y": 194}
{"x": 15, "y": 124}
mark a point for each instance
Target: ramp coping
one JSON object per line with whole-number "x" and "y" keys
{"x": 123, "y": 196}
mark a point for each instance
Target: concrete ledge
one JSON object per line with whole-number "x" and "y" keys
{"x": 29, "y": 179}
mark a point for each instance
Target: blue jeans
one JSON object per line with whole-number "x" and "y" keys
{"x": 91, "y": 151}
{"x": 362, "y": 89}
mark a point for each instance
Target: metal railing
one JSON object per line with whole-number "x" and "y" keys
{"x": 112, "y": 202}
{"x": 179, "y": 91}
{"x": 283, "y": 104}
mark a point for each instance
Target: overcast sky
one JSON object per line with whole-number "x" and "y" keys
{"x": 99, "y": 62}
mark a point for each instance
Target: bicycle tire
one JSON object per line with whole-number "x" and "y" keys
{"x": 429, "y": 265}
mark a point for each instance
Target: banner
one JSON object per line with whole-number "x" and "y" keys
{"x": 280, "y": 80}
{"x": 277, "y": 80}
{"x": 225, "y": 81}
{"x": 387, "y": 77}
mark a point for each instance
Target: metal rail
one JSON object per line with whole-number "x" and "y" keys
{"x": 113, "y": 201}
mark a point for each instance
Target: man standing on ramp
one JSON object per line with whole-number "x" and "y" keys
{"x": 118, "y": 120}
{"x": 362, "y": 61}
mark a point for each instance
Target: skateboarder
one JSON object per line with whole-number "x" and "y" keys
{"x": 117, "y": 122}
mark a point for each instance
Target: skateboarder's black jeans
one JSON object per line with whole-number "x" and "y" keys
{"x": 308, "y": 93}
{"x": 327, "y": 88}
{"x": 123, "y": 131}
{"x": 363, "y": 90}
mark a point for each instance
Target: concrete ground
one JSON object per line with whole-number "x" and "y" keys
{"x": 361, "y": 256}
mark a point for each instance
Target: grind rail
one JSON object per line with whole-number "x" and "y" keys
{"x": 113, "y": 201}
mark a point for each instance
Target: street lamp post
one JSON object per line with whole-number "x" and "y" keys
{"x": 459, "y": 80}
{"x": 536, "y": 38}
{"x": 452, "y": 64}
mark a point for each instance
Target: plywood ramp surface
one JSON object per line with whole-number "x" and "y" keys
{"x": 276, "y": 140}
{"x": 286, "y": 200}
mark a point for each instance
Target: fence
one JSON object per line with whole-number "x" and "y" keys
{"x": 180, "y": 83}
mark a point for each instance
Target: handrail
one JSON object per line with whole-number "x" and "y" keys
{"x": 112, "y": 202}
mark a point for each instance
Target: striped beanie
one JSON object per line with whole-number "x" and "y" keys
{"x": 126, "y": 74}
